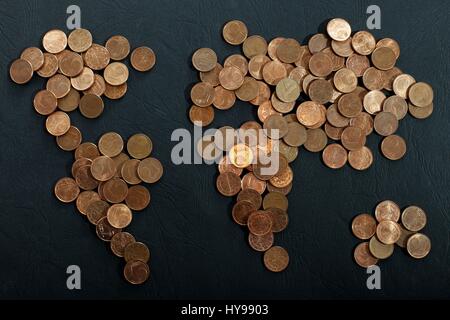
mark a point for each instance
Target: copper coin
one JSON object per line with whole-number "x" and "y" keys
{"x": 81, "y": 162}
{"x": 320, "y": 64}
{"x": 50, "y": 66}
{"x": 288, "y": 51}
{"x": 150, "y": 170}
{"x": 66, "y": 190}
{"x": 345, "y": 80}
{"x": 373, "y": 101}
{"x": 204, "y": 59}
{"x": 115, "y": 190}
{"x": 401, "y": 85}
{"x": 338, "y": 29}
{"x": 118, "y": 47}
{"x": 80, "y": 40}
{"x": 212, "y": 77}
{"x": 387, "y": 210}
{"x": 54, "y": 41}
{"x": 363, "y": 257}
{"x": 115, "y": 92}
{"x": 296, "y": 135}
{"x": 241, "y": 211}
{"x": 276, "y": 126}
{"x": 414, "y": 218}
{"x": 350, "y": 105}
{"x": 97, "y": 57}
{"x": 139, "y": 146}
{"x": 84, "y": 80}
{"x": 360, "y": 159}
{"x": 273, "y": 72}
{"x": 276, "y": 259}
{"x": 223, "y": 99}
{"x": 119, "y": 160}
{"x": 275, "y": 200}
{"x": 393, "y": 147}
{"x": 305, "y": 55}
{"x": 420, "y": 94}
{"x": 332, "y": 132}
{"x": 84, "y": 199}
{"x": 318, "y": 42}
{"x": 334, "y": 156}
{"x": 380, "y": 250}
{"x": 320, "y": 91}
{"x": 71, "y": 64}
{"x": 280, "y": 106}
{"x": 254, "y": 45}
{"x": 280, "y": 219}
{"x": 136, "y": 251}
{"x": 259, "y": 223}
{"x": 391, "y": 44}
{"x": 237, "y": 61}
{"x": 228, "y": 184}
{"x": 389, "y": 77}
{"x": 357, "y": 63}
{"x": 353, "y": 138}
{"x": 252, "y": 196}
{"x": 96, "y": 211}
{"x": 230, "y": 78}
{"x": 201, "y": 116}
{"x": 91, "y": 106}
{"x": 99, "y": 86}
{"x": 373, "y": 79}
{"x": 129, "y": 171}
{"x": 34, "y": 56}
{"x": 342, "y": 48}
{"x": 383, "y": 58}
{"x": 297, "y": 74}
{"x": 202, "y": 94}
{"x": 309, "y": 113}
{"x": 364, "y": 226}
{"x": 226, "y": 166}
{"x": 388, "y": 232}
{"x": 420, "y": 112}
{"x": 59, "y": 85}
{"x": 136, "y": 272}
{"x": 45, "y": 102}
{"x": 116, "y": 74}
{"x": 110, "y": 144}
{"x": 120, "y": 241}
{"x": 418, "y": 246}
{"x": 138, "y": 198}
{"x": 396, "y": 105}
{"x": 363, "y": 42}
{"x": 240, "y": 155}
{"x": 119, "y": 216}
{"x": 261, "y": 243}
{"x": 235, "y": 32}
{"x": 143, "y": 59}
{"x": 364, "y": 121}
{"x": 249, "y": 181}
{"x": 273, "y": 47}
{"x": 404, "y": 236}
{"x": 84, "y": 178}
{"x": 385, "y": 123}
{"x": 248, "y": 90}
{"x": 284, "y": 190}
{"x": 283, "y": 178}
{"x": 70, "y": 140}
{"x": 58, "y": 123}
{"x": 70, "y": 102}
{"x": 105, "y": 231}
{"x": 256, "y": 65}
{"x": 87, "y": 150}
{"x": 335, "y": 118}
{"x": 316, "y": 140}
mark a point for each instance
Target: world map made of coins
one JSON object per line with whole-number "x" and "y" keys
{"x": 106, "y": 180}
{"x": 347, "y": 86}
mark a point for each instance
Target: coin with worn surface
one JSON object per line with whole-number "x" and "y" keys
{"x": 105, "y": 231}
{"x": 357, "y": 63}
{"x": 54, "y": 41}
{"x": 238, "y": 61}
{"x": 334, "y": 156}
{"x": 119, "y": 216}
{"x": 373, "y": 79}
{"x": 318, "y": 42}
{"x": 420, "y": 112}
{"x": 96, "y": 210}
{"x": 283, "y": 178}
{"x": 143, "y": 59}
{"x": 404, "y": 236}
{"x": 115, "y": 190}
{"x": 129, "y": 171}
{"x": 212, "y": 77}
{"x": 59, "y": 85}
{"x": 396, "y": 105}
{"x": 84, "y": 199}
{"x": 350, "y": 105}
{"x": 418, "y": 246}
{"x": 58, "y": 123}
{"x": 204, "y": 59}
{"x": 364, "y": 121}
{"x": 353, "y": 138}
{"x": 280, "y": 218}
{"x": 256, "y": 65}
{"x": 316, "y": 140}
{"x": 364, "y": 226}
{"x": 414, "y": 218}
{"x": 276, "y": 259}
{"x": 235, "y": 32}
{"x": 119, "y": 160}
{"x": 150, "y": 170}
{"x": 45, "y": 102}
{"x": 70, "y": 102}
{"x": 373, "y": 101}
{"x": 50, "y": 66}
{"x": 87, "y": 150}
{"x": 230, "y": 78}
{"x": 273, "y": 46}
{"x": 136, "y": 272}
{"x": 248, "y": 90}
{"x": 138, "y": 198}
{"x": 296, "y": 135}
{"x": 228, "y": 184}
{"x": 84, "y": 178}
{"x": 70, "y": 140}
{"x": 116, "y": 74}
{"x": 309, "y": 113}
{"x": 401, "y": 85}
{"x": 288, "y": 50}
{"x": 71, "y": 64}
{"x": 363, "y": 42}
{"x": 363, "y": 257}
{"x": 388, "y": 232}
{"x": 420, "y": 94}
{"x": 342, "y": 48}
{"x": 202, "y": 94}
{"x": 225, "y": 165}
{"x": 110, "y": 144}
{"x": 335, "y": 118}
{"x": 223, "y": 99}
{"x": 81, "y": 162}
{"x": 254, "y": 45}
{"x": 67, "y": 190}
{"x": 332, "y": 132}
{"x": 385, "y": 123}
{"x": 249, "y": 181}
{"x": 242, "y": 210}
{"x": 91, "y": 106}
{"x": 120, "y": 241}
{"x": 276, "y": 126}
{"x": 84, "y": 80}
{"x": 389, "y": 77}
{"x": 380, "y": 250}
{"x": 34, "y": 56}
{"x": 345, "y": 80}
{"x": 99, "y": 86}
{"x": 139, "y": 146}
{"x": 275, "y": 200}
{"x": 261, "y": 243}
{"x": 136, "y": 251}
{"x": 259, "y": 223}
{"x": 320, "y": 91}
{"x": 115, "y": 92}
{"x": 201, "y": 116}
{"x": 338, "y": 29}
{"x": 320, "y": 64}
{"x": 360, "y": 159}
{"x": 393, "y": 147}
{"x": 80, "y": 40}
{"x": 273, "y": 72}
{"x": 97, "y": 57}
{"x": 387, "y": 210}
{"x": 103, "y": 168}
{"x": 252, "y": 196}
{"x": 118, "y": 47}
{"x": 383, "y": 58}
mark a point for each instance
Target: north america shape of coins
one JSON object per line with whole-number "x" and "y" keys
{"x": 106, "y": 188}
{"x": 388, "y": 227}
{"x": 79, "y": 74}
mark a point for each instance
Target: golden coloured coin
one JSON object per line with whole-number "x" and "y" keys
{"x": 66, "y": 190}
{"x": 387, "y": 210}
{"x": 129, "y": 171}
{"x": 119, "y": 216}
{"x": 150, "y": 170}
{"x": 414, "y": 218}
{"x": 235, "y": 32}
{"x": 80, "y": 40}
{"x": 363, "y": 42}
{"x": 204, "y": 59}
{"x": 288, "y": 90}
{"x": 70, "y": 102}
{"x": 373, "y": 101}
{"x": 402, "y": 83}
{"x": 380, "y": 250}
{"x": 276, "y": 259}
{"x": 118, "y": 47}
{"x": 334, "y": 156}
{"x": 138, "y": 198}
{"x": 393, "y": 147}
{"x": 70, "y": 140}
{"x": 139, "y": 146}
{"x": 58, "y": 123}
{"x": 420, "y": 94}
{"x": 54, "y": 41}
{"x": 360, "y": 159}
{"x": 110, "y": 144}
{"x": 241, "y": 155}
{"x": 385, "y": 123}
{"x": 420, "y": 112}
{"x": 338, "y": 29}
{"x": 388, "y": 232}
{"x": 383, "y": 58}
{"x": 136, "y": 272}
{"x": 34, "y": 56}
{"x": 120, "y": 241}
{"x": 103, "y": 168}
{"x": 418, "y": 246}
{"x": 45, "y": 102}
{"x": 97, "y": 57}
{"x": 253, "y": 46}
{"x": 91, "y": 106}
{"x": 136, "y": 251}
{"x": 116, "y": 74}
{"x": 345, "y": 80}
{"x": 50, "y": 66}
{"x": 363, "y": 257}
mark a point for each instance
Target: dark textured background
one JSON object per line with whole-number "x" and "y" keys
{"x": 197, "y": 251}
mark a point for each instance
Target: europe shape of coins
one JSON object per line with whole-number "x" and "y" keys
{"x": 106, "y": 189}
{"x": 79, "y": 72}
{"x": 390, "y": 226}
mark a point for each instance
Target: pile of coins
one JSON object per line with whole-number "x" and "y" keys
{"x": 385, "y": 230}
{"x": 347, "y": 81}
{"x": 73, "y": 65}
{"x": 105, "y": 185}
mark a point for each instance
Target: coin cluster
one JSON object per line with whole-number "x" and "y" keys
{"x": 79, "y": 73}
{"x": 389, "y": 227}
{"x": 106, "y": 187}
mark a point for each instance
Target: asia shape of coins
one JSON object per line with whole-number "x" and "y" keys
{"x": 388, "y": 228}
{"x": 343, "y": 87}
{"x": 105, "y": 182}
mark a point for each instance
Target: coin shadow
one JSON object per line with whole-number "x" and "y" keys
{"x": 322, "y": 28}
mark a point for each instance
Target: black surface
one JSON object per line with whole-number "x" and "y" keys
{"x": 197, "y": 250}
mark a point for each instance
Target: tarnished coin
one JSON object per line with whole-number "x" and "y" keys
{"x": 136, "y": 251}
{"x": 110, "y": 144}
{"x": 385, "y": 123}
{"x": 115, "y": 190}
{"x": 414, "y": 218}
{"x": 96, "y": 211}
{"x": 87, "y": 150}
{"x": 334, "y": 156}
{"x": 138, "y": 198}
{"x": 353, "y": 138}
{"x": 204, "y": 59}
{"x": 418, "y": 246}
{"x": 228, "y": 184}
{"x": 70, "y": 102}
{"x": 393, "y": 147}
{"x": 59, "y": 85}
{"x": 120, "y": 241}
{"x": 254, "y": 45}
{"x": 80, "y": 40}
{"x": 242, "y": 210}
{"x": 91, "y": 106}
{"x": 235, "y": 32}
{"x": 143, "y": 59}
{"x": 50, "y": 66}
{"x": 136, "y": 272}
{"x": 70, "y": 140}
{"x": 139, "y": 146}
{"x": 420, "y": 112}
{"x": 67, "y": 190}
{"x": 363, "y": 257}
{"x": 97, "y": 57}
{"x": 404, "y": 236}
{"x": 261, "y": 243}
{"x": 118, "y": 47}
{"x": 276, "y": 259}
{"x": 150, "y": 170}
{"x": 280, "y": 219}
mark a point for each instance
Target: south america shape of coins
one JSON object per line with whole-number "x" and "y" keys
{"x": 339, "y": 86}
{"x": 80, "y": 72}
